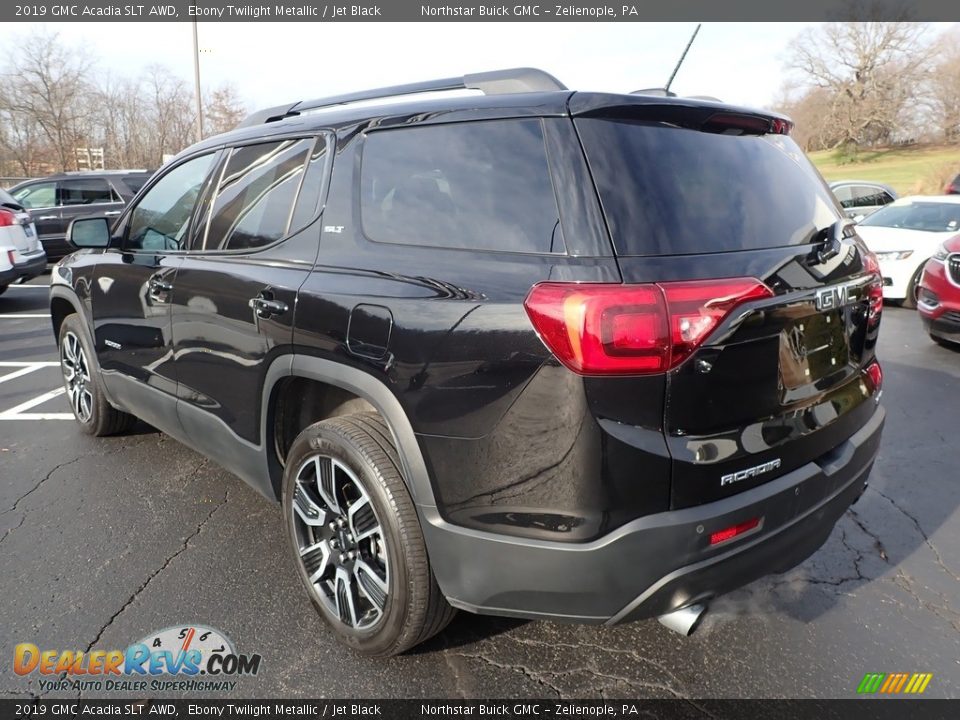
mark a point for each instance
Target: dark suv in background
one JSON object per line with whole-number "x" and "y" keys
{"x": 56, "y": 200}
{"x": 539, "y": 353}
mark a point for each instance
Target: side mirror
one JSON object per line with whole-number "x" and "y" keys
{"x": 89, "y": 233}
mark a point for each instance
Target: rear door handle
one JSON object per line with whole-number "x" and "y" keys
{"x": 111, "y": 213}
{"x": 265, "y": 306}
{"x": 47, "y": 217}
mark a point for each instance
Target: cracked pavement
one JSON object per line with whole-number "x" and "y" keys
{"x": 104, "y": 540}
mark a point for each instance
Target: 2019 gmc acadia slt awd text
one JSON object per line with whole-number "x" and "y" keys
{"x": 538, "y": 353}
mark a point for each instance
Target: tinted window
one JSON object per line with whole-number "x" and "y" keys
{"x": 161, "y": 218}
{"x": 927, "y": 216}
{"x": 483, "y": 186}
{"x": 668, "y": 190}
{"x": 312, "y": 188}
{"x": 85, "y": 191}
{"x": 870, "y": 196}
{"x": 844, "y": 194}
{"x": 39, "y": 195}
{"x": 8, "y": 199}
{"x": 254, "y": 200}
{"x": 135, "y": 182}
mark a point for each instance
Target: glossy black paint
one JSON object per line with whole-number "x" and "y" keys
{"x": 513, "y": 444}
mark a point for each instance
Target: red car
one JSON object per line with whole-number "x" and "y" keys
{"x": 939, "y": 298}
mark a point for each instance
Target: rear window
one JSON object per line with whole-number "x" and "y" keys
{"x": 473, "y": 185}
{"x": 7, "y": 199}
{"x": 673, "y": 191}
{"x": 135, "y": 182}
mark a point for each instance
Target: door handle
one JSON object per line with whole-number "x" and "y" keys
{"x": 265, "y": 306}
{"x": 111, "y": 213}
{"x": 46, "y": 217}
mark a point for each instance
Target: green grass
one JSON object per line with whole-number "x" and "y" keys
{"x": 907, "y": 169}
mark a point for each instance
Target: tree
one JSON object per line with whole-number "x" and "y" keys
{"x": 944, "y": 87}
{"x": 872, "y": 73}
{"x": 225, "y": 110}
{"x": 46, "y": 98}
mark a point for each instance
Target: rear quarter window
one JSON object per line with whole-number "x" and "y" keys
{"x": 473, "y": 185}
{"x": 667, "y": 190}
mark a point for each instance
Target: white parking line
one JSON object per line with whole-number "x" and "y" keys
{"x": 17, "y": 413}
{"x": 18, "y": 373}
{"x": 15, "y": 316}
{"x": 29, "y": 363}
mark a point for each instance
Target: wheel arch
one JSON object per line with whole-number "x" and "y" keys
{"x": 364, "y": 386}
{"x": 63, "y": 302}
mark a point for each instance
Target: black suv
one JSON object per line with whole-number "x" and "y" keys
{"x": 538, "y": 353}
{"x": 56, "y": 200}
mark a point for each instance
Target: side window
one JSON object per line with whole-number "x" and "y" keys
{"x": 313, "y": 186}
{"x": 254, "y": 200}
{"x": 476, "y": 185}
{"x": 870, "y": 196}
{"x": 844, "y": 194}
{"x": 161, "y": 218}
{"x": 38, "y": 195}
{"x": 84, "y": 191}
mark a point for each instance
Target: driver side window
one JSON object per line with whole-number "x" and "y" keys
{"x": 161, "y": 219}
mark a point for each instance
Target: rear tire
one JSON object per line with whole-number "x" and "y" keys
{"x": 3, "y": 289}
{"x": 95, "y": 415}
{"x": 356, "y": 538}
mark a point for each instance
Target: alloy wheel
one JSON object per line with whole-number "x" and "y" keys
{"x": 340, "y": 542}
{"x": 76, "y": 375}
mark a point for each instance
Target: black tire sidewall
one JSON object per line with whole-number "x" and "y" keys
{"x": 321, "y": 439}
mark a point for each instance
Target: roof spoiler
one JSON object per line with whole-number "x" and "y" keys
{"x": 495, "y": 82}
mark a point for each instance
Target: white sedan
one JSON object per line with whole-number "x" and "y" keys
{"x": 904, "y": 235}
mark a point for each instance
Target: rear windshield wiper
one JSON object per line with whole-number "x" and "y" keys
{"x": 832, "y": 241}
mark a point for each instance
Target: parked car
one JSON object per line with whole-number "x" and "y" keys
{"x": 953, "y": 187}
{"x": 56, "y": 200}
{"x": 904, "y": 235}
{"x": 21, "y": 256}
{"x": 860, "y": 198}
{"x": 939, "y": 298}
{"x": 498, "y": 365}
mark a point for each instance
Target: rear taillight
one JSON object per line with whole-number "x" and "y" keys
{"x": 875, "y": 289}
{"x": 7, "y": 218}
{"x": 605, "y": 329}
{"x": 875, "y": 373}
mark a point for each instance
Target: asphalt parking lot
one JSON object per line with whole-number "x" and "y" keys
{"x": 104, "y": 540}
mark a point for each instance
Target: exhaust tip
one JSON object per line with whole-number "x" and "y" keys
{"x": 685, "y": 620}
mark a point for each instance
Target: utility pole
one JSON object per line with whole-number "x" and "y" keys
{"x": 196, "y": 83}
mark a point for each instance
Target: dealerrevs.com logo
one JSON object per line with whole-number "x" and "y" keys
{"x": 187, "y": 658}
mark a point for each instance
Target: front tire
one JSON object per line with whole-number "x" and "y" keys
{"x": 95, "y": 415}
{"x": 356, "y": 538}
{"x": 913, "y": 289}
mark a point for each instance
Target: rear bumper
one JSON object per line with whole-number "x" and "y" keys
{"x": 657, "y": 563}
{"x": 30, "y": 267}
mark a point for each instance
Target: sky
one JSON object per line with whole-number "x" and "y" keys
{"x": 270, "y": 63}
